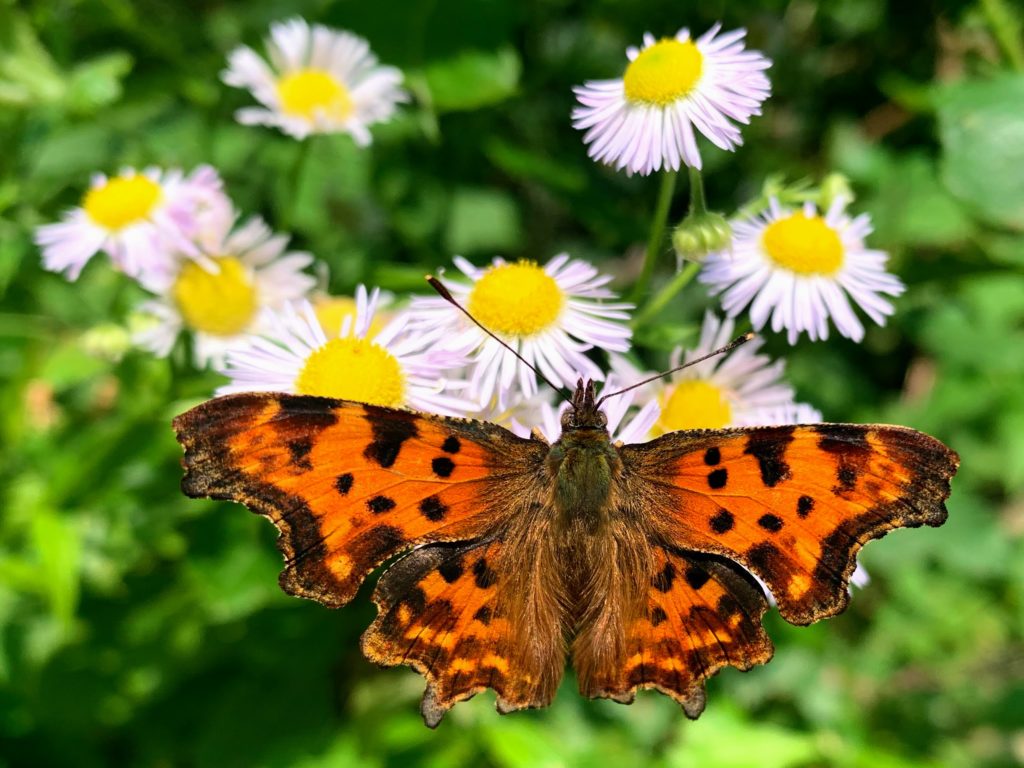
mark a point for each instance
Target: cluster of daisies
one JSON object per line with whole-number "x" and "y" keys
{"x": 250, "y": 308}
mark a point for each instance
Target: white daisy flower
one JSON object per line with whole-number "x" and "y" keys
{"x": 143, "y": 220}
{"x": 644, "y": 121}
{"x": 800, "y": 269}
{"x": 735, "y": 389}
{"x": 551, "y": 315}
{"x": 319, "y": 80}
{"x": 219, "y": 298}
{"x": 334, "y": 311}
{"x": 394, "y": 368}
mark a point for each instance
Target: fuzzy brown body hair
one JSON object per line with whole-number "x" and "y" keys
{"x": 573, "y": 566}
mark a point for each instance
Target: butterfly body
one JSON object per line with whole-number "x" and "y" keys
{"x": 632, "y": 561}
{"x": 584, "y": 468}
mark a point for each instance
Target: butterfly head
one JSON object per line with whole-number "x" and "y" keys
{"x": 585, "y": 412}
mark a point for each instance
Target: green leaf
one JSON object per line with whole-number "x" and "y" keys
{"x": 473, "y": 79}
{"x": 522, "y": 744}
{"x": 482, "y": 220}
{"x": 98, "y": 82}
{"x": 69, "y": 365}
{"x": 533, "y": 166}
{"x": 724, "y": 739}
{"x": 981, "y": 125}
{"x": 58, "y": 547}
{"x": 913, "y": 208}
{"x": 28, "y": 74}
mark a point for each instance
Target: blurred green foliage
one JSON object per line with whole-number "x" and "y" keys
{"x": 138, "y": 627}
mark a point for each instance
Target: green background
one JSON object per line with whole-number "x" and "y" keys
{"x": 139, "y": 627}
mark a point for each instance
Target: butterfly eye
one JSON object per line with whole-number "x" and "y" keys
{"x": 568, "y": 418}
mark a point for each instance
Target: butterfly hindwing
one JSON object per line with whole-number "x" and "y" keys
{"x": 349, "y": 485}
{"x": 792, "y": 504}
{"x": 703, "y": 613}
{"x": 443, "y": 609}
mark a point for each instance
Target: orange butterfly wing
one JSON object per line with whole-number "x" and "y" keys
{"x": 442, "y": 609}
{"x": 792, "y": 504}
{"x": 703, "y": 613}
{"x": 349, "y": 485}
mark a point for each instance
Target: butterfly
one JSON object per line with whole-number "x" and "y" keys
{"x": 635, "y": 561}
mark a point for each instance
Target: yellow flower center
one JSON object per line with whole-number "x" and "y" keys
{"x": 311, "y": 92}
{"x": 331, "y": 311}
{"x": 121, "y": 201}
{"x": 694, "y": 404}
{"x": 663, "y": 72}
{"x": 516, "y": 299}
{"x": 804, "y": 244}
{"x": 221, "y": 303}
{"x": 353, "y": 369}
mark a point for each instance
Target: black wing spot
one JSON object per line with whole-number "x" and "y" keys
{"x": 727, "y": 606}
{"x": 451, "y": 570}
{"x": 657, "y": 616}
{"x": 390, "y": 430}
{"x": 722, "y": 522}
{"x": 843, "y": 439}
{"x": 299, "y": 449}
{"x": 314, "y": 411}
{"x": 433, "y": 509}
{"x": 847, "y": 477}
{"x": 343, "y": 483}
{"x": 712, "y": 456}
{"x": 804, "y": 506}
{"x": 483, "y": 615}
{"x": 663, "y": 580}
{"x": 377, "y": 543}
{"x": 718, "y": 478}
{"x": 765, "y": 558}
{"x": 442, "y": 466}
{"x": 770, "y": 523}
{"x": 380, "y": 504}
{"x": 451, "y": 444}
{"x": 768, "y": 446}
{"x": 696, "y": 577}
{"x": 483, "y": 575}
{"x": 416, "y": 600}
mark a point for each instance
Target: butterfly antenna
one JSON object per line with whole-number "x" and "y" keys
{"x": 721, "y": 351}
{"x": 438, "y": 286}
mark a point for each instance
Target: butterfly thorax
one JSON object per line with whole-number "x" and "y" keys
{"x": 583, "y": 463}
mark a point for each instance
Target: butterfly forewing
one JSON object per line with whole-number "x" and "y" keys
{"x": 792, "y": 504}
{"x": 350, "y": 485}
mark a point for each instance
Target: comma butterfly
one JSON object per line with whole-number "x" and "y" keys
{"x": 633, "y": 560}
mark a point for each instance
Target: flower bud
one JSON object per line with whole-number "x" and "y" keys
{"x": 700, "y": 234}
{"x": 108, "y": 342}
{"x": 833, "y": 187}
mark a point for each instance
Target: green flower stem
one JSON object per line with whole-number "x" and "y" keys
{"x": 698, "y": 204}
{"x": 657, "y": 236}
{"x": 666, "y": 294}
{"x": 1006, "y": 29}
{"x": 299, "y": 162}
